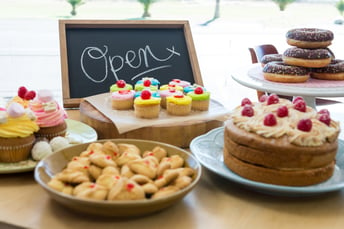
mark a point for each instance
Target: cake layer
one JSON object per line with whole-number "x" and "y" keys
{"x": 296, "y": 177}
{"x": 244, "y": 145}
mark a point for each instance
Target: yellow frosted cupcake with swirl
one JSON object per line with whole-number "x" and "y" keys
{"x": 17, "y": 127}
{"x": 146, "y": 105}
{"x": 50, "y": 115}
{"x": 178, "y": 104}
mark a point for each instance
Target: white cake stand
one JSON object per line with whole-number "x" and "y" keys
{"x": 252, "y": 77}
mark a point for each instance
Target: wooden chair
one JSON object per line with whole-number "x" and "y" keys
{"x": 256, "y": 55}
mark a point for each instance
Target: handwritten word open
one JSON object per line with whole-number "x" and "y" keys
{"x": 139, "y": 60}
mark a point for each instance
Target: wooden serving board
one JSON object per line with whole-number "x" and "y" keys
{"x": 179, "y": 135}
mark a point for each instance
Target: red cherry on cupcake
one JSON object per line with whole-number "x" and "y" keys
{"x": 282, "y": 111}
{"x": 247, "y": 111}
{"x": 146, "y": 83}
{"x": 21, "y": 92}
{"x": 270, "y": 120}
{"x": 145, "y": 94}
{"x": 198, "y": 90}
{"x": 300, "y": 105}
{"x": 305, "y": 125}
{"x": 325, "y": 118}
{"x": 30, "y": 95}
{"x": 121, "y": 83}
{"x": 272, "y": 99}
{"x": 246, "y": 101}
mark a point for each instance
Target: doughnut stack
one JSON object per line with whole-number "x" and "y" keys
{"x": 308, "y": 57}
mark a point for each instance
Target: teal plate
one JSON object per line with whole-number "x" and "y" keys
{"x": 208, "y": 149}
{"x": 77, "y": 132}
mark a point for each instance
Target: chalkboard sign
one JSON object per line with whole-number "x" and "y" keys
{"x": 97, "y": 53}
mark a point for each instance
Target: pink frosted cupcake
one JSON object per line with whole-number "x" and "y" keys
{"x": 122, "y": 100}
{"x": 181, "y": 83}
{"x": 50, "y": 116}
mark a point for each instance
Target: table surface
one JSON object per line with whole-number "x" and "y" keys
{"x": 214, "y": 203}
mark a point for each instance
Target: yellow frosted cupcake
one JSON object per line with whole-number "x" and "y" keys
{"x": 146, "y": 105}
{"x": 178, "y": 104}
{"x": 17, "y": 127}
{"x": 200, "y": 99}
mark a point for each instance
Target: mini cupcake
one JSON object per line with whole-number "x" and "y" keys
{"x": 120, "y": 85}
{"x": 178, "y": 104}
{"x": 190, "y": 88}
{"x": 50, "y": 116}
{"x": 200, "y": 99}
{"x": 170, "y": 86}
{"x": 147, "y": 83}
{"x": 122, "y": 100}
{"x": 17, "y": 127}
{"x": 179, "y": 82}
{"x": 166, "y": 93}
{"x": 146, "y": 105}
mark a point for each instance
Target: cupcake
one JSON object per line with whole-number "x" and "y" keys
{"x": 190, "y": 88}
{"x": 181, "y": 83}
{"x": 178, "y": 104}
{"x": 122, "y": 100}
{"x": 50, "y": 116}
{"x": 147, "y": 83}
{"x": 146, "y": 105}
{"x": 170, "y": 86}
{"x": 17, "y": 127}
{"x": 120, "y": 85}
{"x": 200, "y": 99}
{"x": 166, "y": 93}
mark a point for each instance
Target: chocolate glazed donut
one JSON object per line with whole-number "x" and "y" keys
{"x": 278, "y": 71}
{"x": 333, "y": 71}
{"x": 311, "y": 58}
{"x": 309, "y": 37}
{"x": 270, "y": 57}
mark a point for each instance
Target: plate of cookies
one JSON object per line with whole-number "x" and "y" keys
{"x": 209, "y": 150}
{"x": 118, "y": 177}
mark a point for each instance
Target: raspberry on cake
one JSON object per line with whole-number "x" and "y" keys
{"x": 281, "y": 142}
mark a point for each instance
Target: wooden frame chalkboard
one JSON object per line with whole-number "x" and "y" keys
{"x": 96, "y": 53}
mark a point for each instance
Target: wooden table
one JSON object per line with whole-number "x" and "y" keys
{"x": 214, "y": 203}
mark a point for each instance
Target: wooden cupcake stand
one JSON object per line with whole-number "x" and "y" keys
{"x": 176, "y": 134}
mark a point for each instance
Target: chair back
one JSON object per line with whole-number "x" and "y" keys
{"x": 265, "y": 49}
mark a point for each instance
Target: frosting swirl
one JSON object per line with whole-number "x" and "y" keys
{"x": 287, "y": 125}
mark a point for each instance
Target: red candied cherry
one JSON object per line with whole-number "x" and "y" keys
{"x": 263, "y": 98}
{"x": 30, "y": 95}
{"x": 297, "y": 98}
{"x": 247, "y": 111}
{"x": 325, "y": 118}
{"x": 198, "y": 90}
{"x": 120, "y": 83}
{"x": 272, "y": 99}
{"x": 130, "y": 186}
{"x": 270, "y": 120}
{"x": 146, "y": 83}
{"x": 179, "y": 96}
{"x": 282, "y": 111}
{"x": 176, "y": 80}
{"x": 300, "y": 105}
{"x": 145, "y": 94}
{"x": 246, "y": 101}
{"x": 21, "y": 92}
{"x": 324, "y": 111}
{"x": 305, "y": 125}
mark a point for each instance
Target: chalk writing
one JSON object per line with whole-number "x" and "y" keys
{"x": 141, "y": 59}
